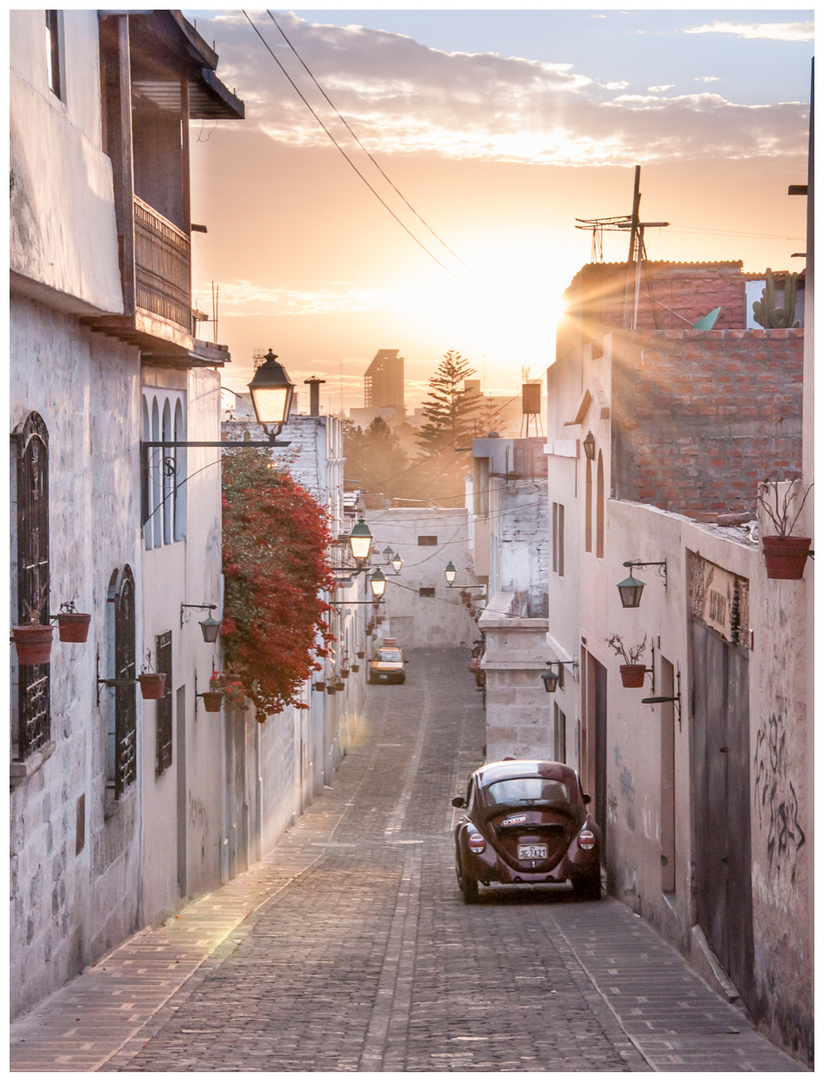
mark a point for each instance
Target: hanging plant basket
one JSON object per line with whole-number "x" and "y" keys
{"x": 73, "y": 626}
{"x": 361, "y": 655}
{"x": 632, "y": 675}
{"x": 319, "y": 685}
{"x": 331, "y": 689}
{"x": 152, "y": 684}
{"x": 33, "y": 643}
{"x": 356, "y": 668}
{"x": 786, "y": 556}
{"x": 339, "y": 685}
{"x": 345, "y": 673}
{"x": 212, "y": 700}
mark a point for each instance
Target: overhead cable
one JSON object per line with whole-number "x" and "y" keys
{"x": 346, "y": 157}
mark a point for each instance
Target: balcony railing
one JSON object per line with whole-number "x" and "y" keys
{"x": 162, "y": 267}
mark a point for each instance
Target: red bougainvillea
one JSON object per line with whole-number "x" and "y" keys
{"x": 275, "y": 544}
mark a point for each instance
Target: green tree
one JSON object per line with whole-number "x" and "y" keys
{"x": 451, "y": 415}
{"x": 374, "y": 458}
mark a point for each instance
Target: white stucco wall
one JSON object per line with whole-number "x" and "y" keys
{"x": 425, "y": 621}
{"x": 63, "y": 236}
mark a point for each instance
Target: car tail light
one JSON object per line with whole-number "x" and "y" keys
{"x": 476, "y": 843}
{"x": 586, "y": 840}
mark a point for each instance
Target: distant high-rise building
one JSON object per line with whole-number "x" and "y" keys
{"x": 383, "y": 382}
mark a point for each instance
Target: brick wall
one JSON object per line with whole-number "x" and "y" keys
{"x": 699, "y": 417}
{"x": 672, "y": 296}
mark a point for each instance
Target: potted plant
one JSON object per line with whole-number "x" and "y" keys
{"x": 361, "y": 654}
{"x": 152, "y": 683}
{"x": 72, "y": 625}
{"x": 318, "y": 684}
{"x": 474, "y": 665}
{"x": 234, "y": 694}
{"x": 632, "y": 670}
{"x": 33, "y": 640}
{"x": 355, "y": 668}
{"x": 213, "y": 697}
{"x": 785, "y": 555}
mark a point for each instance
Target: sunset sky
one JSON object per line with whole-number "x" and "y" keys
{"x": 489, "y": 132}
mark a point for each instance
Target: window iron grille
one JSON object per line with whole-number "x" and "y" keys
{"x": 32, "y": 522}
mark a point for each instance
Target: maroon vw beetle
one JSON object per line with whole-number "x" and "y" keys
{"x": 526, "y": 822}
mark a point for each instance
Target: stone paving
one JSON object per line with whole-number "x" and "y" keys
{"x": 349, "y": 948}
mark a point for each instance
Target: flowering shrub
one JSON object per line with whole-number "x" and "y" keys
{"x": 275, "y": 541}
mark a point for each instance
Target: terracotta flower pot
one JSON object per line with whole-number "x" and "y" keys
{"x": 33, "y": 642}
{"x": 786, "y": 556}
{"x": 356, "y": 668}
{"x": 331, "y": 689}
{"x": 73, "y": 626}
{"x": 361, "y": 655}
{"x": 345, "y": 673}
{"x": 319, "y": 685}
{"x": 633, "y": 674}
{"x": 152, "y": 684}
{"x": 212, "y": 700}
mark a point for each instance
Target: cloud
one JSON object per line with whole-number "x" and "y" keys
{"x": 243, "y": 299}
{"x": 706, "y": 78}
{"x": 660, "y": 89}
{"x": 404, "y": 98}
{"x": 790, "y": 31}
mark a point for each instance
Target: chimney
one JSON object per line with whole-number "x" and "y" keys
{"x": 314, "y": 385}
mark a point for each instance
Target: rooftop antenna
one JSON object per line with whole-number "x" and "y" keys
{"x": 637, "y": 249}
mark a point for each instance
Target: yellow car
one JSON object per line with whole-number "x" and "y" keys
{"x": 388, "y": 664}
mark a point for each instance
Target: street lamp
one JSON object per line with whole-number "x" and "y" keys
{"x": 397, "y": 562}
{"x": 450, "y": 573}
{"x": 360, "y": 542}
{"x": 272, "y": 391}
{"x": 589, "y": 446}
{"x": 377, "y": 583}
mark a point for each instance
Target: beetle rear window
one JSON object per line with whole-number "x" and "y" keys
{"x": 527, "y": 789}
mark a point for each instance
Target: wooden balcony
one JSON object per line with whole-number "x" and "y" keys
{"x": 162, "y": 268}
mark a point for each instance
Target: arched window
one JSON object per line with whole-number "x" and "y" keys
{"x": 588, "y": 507}
{"x": 599, "y": 513}
{"x": 180, "y": 473}
{"x": 155, "y": 481}
{"x": 167, "y": 474}
{"x": 122, "y": 744}
{"x": 164, "y": 478}
{"x": 31, "y": 522}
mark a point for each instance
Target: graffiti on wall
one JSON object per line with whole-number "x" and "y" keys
{"x": 775, "y": 797}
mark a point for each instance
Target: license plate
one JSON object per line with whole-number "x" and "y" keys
{"x": 532, "y": 851}
{"x": 383, "y": 676}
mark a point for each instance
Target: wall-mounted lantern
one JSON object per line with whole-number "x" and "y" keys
{"x": 552, "y": 677}
{"x": 631, "y": 588}
{"x": 209, "y": 627}
{"x": 589, "y": 446}
{"x": 397, "y": 562}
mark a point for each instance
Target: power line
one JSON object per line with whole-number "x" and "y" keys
{"x": 346, "y": 157}
{"x": 360, "y": 144}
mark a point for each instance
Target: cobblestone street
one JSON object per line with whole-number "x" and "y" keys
{"x": 358, "y": 954}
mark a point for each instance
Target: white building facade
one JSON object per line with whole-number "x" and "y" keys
{"x": 118, "y": 809}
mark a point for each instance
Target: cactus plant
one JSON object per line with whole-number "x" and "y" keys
{"x": 765, "y": 311}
